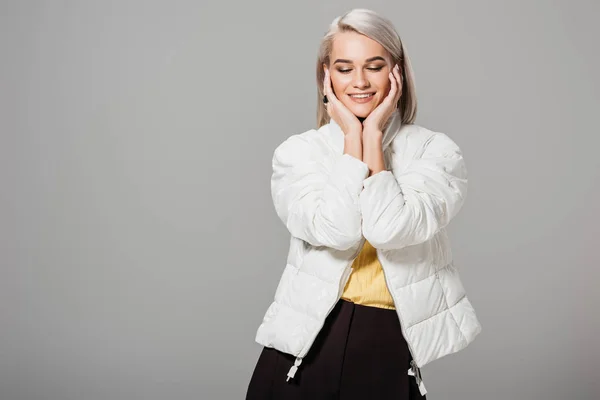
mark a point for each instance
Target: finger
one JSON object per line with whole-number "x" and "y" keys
{"x": 326, "y": 91}
{"x": 399, "y": 82}
{"x": 325, "y": 84}
{"x": 393, "y": 89}
{"x": 330, "y": 95}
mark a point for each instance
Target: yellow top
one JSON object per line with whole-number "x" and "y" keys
{"x": 366, "y": 284}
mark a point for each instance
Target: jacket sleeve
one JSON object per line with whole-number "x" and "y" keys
{"x": 410, "y": 208}
{"x": 317, "y": 202}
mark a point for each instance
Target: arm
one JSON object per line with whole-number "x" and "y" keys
{"x": 412, "y": 207}
{"x": 373, "y": 151}
{"x": 317, "y": 205}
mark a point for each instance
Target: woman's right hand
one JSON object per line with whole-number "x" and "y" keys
{"x": 345, "y": 118}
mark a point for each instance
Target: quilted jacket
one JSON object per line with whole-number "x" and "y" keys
{"x": 330, "y": 204}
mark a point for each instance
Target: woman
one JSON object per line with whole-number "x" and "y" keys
{"x": 369, "y": 293}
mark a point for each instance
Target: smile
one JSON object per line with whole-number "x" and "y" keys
{"x": 362, "y": 98}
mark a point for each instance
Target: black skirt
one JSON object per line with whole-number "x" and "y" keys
{"x": 359, "y": 353}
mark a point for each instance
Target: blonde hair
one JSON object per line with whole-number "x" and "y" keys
{"x": 380, "y": 29}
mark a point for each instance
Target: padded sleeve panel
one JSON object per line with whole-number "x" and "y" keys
{"x": 410, "y": 208}
{"x": 317, "y": 202}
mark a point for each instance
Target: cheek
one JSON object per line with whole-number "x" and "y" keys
{"x": 385, "y": 84}
{"x": 338, "y": 84}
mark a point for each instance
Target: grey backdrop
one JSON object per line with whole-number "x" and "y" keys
{"x": 139, "y": 247}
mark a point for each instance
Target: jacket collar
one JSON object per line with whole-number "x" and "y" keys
{"x": 393, "y": 127}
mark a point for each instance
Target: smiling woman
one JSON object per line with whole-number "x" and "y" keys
{"x": 360, "y": 82}
{"x": 359, "y": 51}
{"x": 369, "y": 293}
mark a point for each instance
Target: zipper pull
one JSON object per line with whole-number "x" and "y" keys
{"x": 294, "y": 368}
{"x": 416, "y": 372}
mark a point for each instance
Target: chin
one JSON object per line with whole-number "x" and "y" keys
{"x": 361, "y": 112}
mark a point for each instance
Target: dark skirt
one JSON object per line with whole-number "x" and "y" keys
{"x": 359, "y": 353}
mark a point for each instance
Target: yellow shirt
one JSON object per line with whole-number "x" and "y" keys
{"x": 366, "y": 284}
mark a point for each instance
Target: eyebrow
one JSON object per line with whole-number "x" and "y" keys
{"x": 342, "y": 60}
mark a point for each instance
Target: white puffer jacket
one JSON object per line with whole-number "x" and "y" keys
{"x": 318, "y": 193}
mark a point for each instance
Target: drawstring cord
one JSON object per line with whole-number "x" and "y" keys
{"x": 416, "y": 372}
{"x": 294, "y": 368}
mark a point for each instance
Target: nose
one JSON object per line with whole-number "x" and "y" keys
{"x": 360, "y": 81}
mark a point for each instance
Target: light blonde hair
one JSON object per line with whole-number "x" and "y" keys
{"x": 380, "y": 29}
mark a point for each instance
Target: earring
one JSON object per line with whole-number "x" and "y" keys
{"x": 325, "y": 100}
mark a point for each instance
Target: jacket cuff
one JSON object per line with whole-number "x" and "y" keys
{"x": 373, "y": 179}
{"x": 354, "y": 169}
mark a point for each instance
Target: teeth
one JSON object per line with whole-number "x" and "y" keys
{"x": 361, "y": 96}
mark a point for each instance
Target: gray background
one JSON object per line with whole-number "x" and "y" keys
{"x": 139, "y": 247}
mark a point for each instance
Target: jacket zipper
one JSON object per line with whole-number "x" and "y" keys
{"x": 342, "y": 284}
{"x": 414, "y": 369}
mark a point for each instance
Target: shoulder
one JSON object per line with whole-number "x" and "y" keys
{"x": 301, "y": 146}
{"x": 417, "y": 139}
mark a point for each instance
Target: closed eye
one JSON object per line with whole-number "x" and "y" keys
{"x": 345, "y": 71}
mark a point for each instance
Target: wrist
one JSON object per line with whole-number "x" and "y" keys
{"x": 372, "y": 137}
{"x": 353, "y": 145}
{"x": 372, "y": 132}
{"x": 353, "y": 137}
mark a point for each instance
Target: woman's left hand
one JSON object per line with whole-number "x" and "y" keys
{"x": 377, "y": 119}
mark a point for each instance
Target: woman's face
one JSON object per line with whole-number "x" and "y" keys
{"x": 359, "y": 65}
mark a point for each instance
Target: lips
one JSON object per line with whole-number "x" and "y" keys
{"x": 361, "y": 95}
{"x": 362, "y": 98}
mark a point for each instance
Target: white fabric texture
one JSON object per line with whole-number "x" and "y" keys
{"x": 330, "y": 205}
